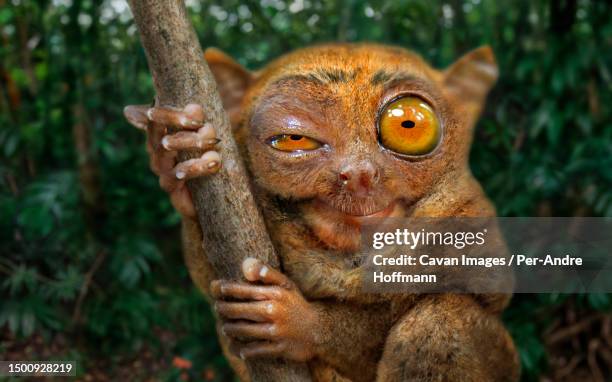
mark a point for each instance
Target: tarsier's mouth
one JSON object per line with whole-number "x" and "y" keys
{"x": 392, "y": 210}
{"x": 361, "y": 216}
{"x": 340, "y": 228}
{"x": 379, "y": 213}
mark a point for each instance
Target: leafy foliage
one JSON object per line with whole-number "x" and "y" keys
{"x": 90, "y": 244}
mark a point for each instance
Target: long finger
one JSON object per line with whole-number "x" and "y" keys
{"x": 254, "y": 311}
{"x": 191, "y": 117}
{"x": 260, "y": 349}
{"x": 205, "y": 138}
{"x": 247, "y": 330}
{"x": 181, "y": 200}
{"x": 207, "y": 164}
{"x": 137, "y": 115}
{"x": 221, "y": 289}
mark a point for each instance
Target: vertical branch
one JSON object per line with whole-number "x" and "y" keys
{"x": 346, "y": 13}
{"x": 82, "y": 131}
{"x": 232, "y": 226}
{"x": 89, "y": 170}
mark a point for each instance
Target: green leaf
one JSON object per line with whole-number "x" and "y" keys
{"x": 600, "y": 301}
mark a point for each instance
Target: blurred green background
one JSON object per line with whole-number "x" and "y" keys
{"x": 90, "y": 265}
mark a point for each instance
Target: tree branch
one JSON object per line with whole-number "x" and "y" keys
{"x": 232, "y": 225}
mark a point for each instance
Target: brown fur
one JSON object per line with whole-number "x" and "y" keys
{"x": 336, "y": 92}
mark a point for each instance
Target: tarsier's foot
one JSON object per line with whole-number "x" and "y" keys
{"x": 266, "y": 316}
{"x": 193, "y": 133}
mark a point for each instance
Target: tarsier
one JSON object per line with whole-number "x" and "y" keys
{"x": 333, "y": 136}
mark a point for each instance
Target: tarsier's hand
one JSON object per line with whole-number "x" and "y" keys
{"x": 267, "y": 316}
{"x": 163, "y": 147}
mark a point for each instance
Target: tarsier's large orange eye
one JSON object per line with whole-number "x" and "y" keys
{"x": 409, "y": 126}
{"x": 293, "y": 142}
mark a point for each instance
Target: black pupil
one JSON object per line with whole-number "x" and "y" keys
{"x": 295, "y": 137}
{"x": 408, "y": 124}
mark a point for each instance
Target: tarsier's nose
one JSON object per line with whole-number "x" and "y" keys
{"x": 358, "y": 177}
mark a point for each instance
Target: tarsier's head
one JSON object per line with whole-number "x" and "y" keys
{"x": 347, "y": 132}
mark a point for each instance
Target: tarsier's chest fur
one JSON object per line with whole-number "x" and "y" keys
{"x": 335, "y": 93}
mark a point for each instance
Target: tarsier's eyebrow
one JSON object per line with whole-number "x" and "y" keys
{"x": 321, "y": 76}
{"x": 334, "y": 76}
{"x": 386, "y": 78}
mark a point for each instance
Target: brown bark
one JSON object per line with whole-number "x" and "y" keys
{"x": 89, "y": 171}
{"x": 232, "y": 225}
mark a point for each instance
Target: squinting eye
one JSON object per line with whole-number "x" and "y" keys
{"x": 409, "y": 126}
{"x": 293, "y": 142}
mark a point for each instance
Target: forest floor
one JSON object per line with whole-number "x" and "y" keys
{"x": 579, "y": 348}
{"x": 146, "y": 365}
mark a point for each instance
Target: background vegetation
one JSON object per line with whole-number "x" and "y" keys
{"x": 90, "y": 265}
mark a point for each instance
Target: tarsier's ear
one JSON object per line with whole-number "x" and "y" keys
{"x": 471, "y": 77}
{"x": 232, "y": 80}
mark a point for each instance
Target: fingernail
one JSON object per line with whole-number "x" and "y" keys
{"x": 212, "y": 164}
{"x": 247, "y": 266}
{"x": 263, "y": 271}
{"x": 164, "y": 142}
{"x": 189, "y": 122}
{"x": 212, "y": 142}
{"x": 242, "y": 354}
{"x": 180, "y": 175}
{"x": 139, "y": 125}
